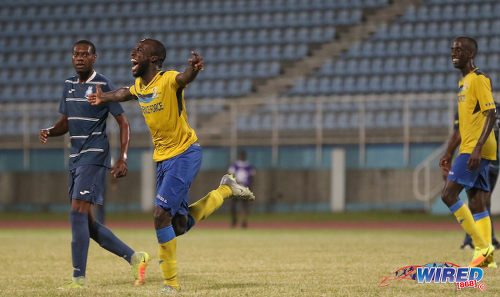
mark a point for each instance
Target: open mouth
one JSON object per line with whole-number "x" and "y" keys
{"x": 135, "y": 65}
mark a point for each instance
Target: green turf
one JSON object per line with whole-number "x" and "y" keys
{"x": 377, "y": 216}
{"x": 241, "y": 263}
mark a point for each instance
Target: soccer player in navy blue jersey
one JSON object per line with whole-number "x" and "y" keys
{"x": 89, "y": 159}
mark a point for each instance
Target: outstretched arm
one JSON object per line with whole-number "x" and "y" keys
{"x": 60, "y": 128}
{"x": 118, "y": 95}
{"x": 195, "y": 65}
{"x": 475, "y": 156}
{"x": 120, "y": 168}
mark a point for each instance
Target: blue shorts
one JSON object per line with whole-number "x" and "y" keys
{"x": 87, "y": 183}
{"x": 173, "y": 180}
{"x": 470, "y": 179}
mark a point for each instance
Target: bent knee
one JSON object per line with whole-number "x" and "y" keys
{"x": 179, "y": 230}
{"x": 179, "y": 223}
{"x": 161, "y": 218}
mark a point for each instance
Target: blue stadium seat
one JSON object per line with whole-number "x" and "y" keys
{"x": 394, "y": 118}
{"x": 290, "y": 121}
{"x": 417, "y": 47}
{"x": 410, "y": 14}
{"x": 481, "y": 60}
{"x": 329, "y": 121}
{"x": 324, "y": 85}
{"x": 400, "y": 83}
{"x": 483, "y": 29}
{"x": 366, "y": 49}
{"x": 392, "y": 49}
{"x": 425, "y": 83}
{"x": 495, "y": 27}
{"x": 442, "y": 63}
{"x": 452, "y": 82}
{"x": 351, "y": 66}
{"x": 390, "y": 65}
{"x": 266, "y": 122}
{"x": 311, "y": 86}
{"x": 376, "y": 66}
{"x": 394, "y": 31}
{"x": 375, "y": 84}
{"x": 439, "y": 82}
{"x": 354, "y": 50}
{"x": 298, "y": 87}
{"x": 382, "y": 32}
{"x": 415, "y": 64}
{"x": 327, "y": 67}
{"x": 418, "y": 118}
{"x": 422, "y": 12}
{"x": 407, "y": 31}
{"x": 364, "y": 66}
{"x": 361, "y": 85}
{"x": 349, "y": 84}
{"x": 337, "y": 85}
{"x": 434, "y": 118}
{"x": 340, "y": 65}
{"x": 388, "y": 84}
{"x": 402, "y": 65}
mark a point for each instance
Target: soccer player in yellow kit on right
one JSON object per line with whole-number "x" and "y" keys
{"x": 177, "y": 153}
{"x": 477, "y": 115}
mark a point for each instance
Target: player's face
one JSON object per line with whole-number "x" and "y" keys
{"x": 141, "y": 58}
{"x": 83, "y": 58}
{"x": 459, "y": 54}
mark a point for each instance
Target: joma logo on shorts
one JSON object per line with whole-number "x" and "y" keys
{"x": 161, "y": 198}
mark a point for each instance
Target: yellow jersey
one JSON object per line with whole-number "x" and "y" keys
{"x": 163, "y": 108}
{"x": 474, "y": 97}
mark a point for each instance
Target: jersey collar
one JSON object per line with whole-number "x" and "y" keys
{"x": 153, "y": 80}
{"x": 92, "y": 76}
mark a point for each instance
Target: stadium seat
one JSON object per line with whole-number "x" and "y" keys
{"x": 329, "y": 121}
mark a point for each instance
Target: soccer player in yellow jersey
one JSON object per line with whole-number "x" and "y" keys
{"x": 177, "y": 153}
{"x": 477, "y": 115}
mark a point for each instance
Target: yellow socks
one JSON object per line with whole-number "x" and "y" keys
{"x": 465, "y": 219}
{"x": 483, "y": 223}
{"x": 167, "y": 253}
{"x": 208, "y": 204}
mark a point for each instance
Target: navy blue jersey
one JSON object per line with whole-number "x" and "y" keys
{"x": 87, "y": 123}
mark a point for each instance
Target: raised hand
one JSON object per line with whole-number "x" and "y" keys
{"x": 196, "y": 62}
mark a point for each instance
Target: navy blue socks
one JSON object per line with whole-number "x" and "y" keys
{"x": 107, "y": 240}
{"x": 79, "y": 242}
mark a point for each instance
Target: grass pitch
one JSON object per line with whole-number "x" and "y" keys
{"x": 241, "y": 263}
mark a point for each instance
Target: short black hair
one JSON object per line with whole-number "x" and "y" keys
{"x": 470, "y": 43}
{"x": 159, "y": 50}
{"x": 83, "y": 41}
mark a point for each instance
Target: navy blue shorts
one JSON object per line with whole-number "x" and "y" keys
{"x": 470, "y": 179}
{"x": 173, "y": 180}
{"x": 87, "y": 183}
